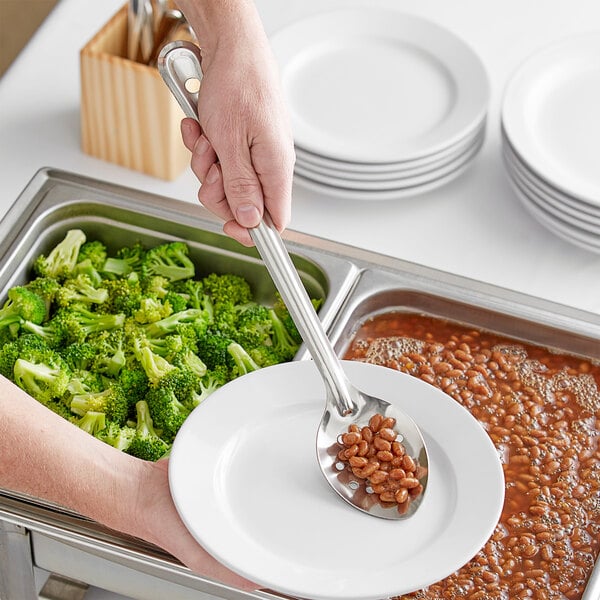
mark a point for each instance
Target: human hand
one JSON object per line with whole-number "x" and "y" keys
{"x": 161, "y": 525}
{"x": 242, "y": 147}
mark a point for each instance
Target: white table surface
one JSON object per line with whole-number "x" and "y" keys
{"x": 475, "y": 226}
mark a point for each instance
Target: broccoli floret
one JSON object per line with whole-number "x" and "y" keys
{"x": 176, "y": 301}
{"x": 212, "y": 350}
{"x": 134, "y": 382}
{"x": 227, "y": 287}
{"x": 46, "y": 288}
{"x": 193, "y": 291}
{"x": 52, "y": 334}
{"x": 168, "y": 347}
{"x": 168, "y": 260}
{"x": 27, "y": 346}
{"x": 211, "y": 382}
{"x": 146, "y": 444}
{"x": 124, "y": 295}
{"x": 45, "y": 380}
{"x": 80, "y": 289}
{"x": 187, "y": 359}
{"x": 85, "y": 267}
{"x": 117, "y": 436}
{"x": 156, "y": 286}
{"x": 266, "y": 355}
{"x": 94, "y": 252}
{"x": 151, "y": 310}
{"x": 92, "y": 422}
{"x": 254, "y": 325}
{"x": 283, "y": 341}
{"x": 154, "y": 365}
{"x": 126, "y": 260}
{"x": 243, "y": 361}
{"x": 77, "y": 322}
{"x": 22, "y": 305}
{"x": 168, "y": 413}
{"x": 109, "y": 348}
{"x": 79, "y": 357}
{"x": 169, "y": 324}
{"x": 111, "y": 401}
{"x": 62, "y": 259}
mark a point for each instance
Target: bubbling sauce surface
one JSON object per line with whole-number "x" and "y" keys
{"x": 542, "y": 411}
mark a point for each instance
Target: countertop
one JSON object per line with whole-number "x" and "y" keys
{"x": 475, "y": 226}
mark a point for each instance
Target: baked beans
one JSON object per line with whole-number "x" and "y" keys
{"x": 541, "y": 409}
{"x": 374, "y": 455}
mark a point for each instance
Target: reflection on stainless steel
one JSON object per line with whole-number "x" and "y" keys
{"x": 354, "y": 282}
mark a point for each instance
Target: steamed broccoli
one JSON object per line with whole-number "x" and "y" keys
{"x": 243, "y": 362}
{"x": 62, "y": 259}
{"x": 22, "y": 305}
{"x": 80, "y": 289}
{"x": 112, "y": 401}
{"x": 92, "y": 422}
{"x": 106, "y": 340}
{"x": 45, "y": 379}
{"x": 168, "y": 260}
{"x": 227, "y": 287}
{"x": 119, "y": 437}
{"x": 77, "y": 322}
{"x": 124, "y": 295}
{"x": 146, "y": 444}
{"x": 168, "y": 413}
{"x": 127, "y": 260}
{"x": 95, "y": 252}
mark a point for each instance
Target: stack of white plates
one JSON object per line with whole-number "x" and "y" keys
{"x": 383, "y": 104}
{"x": 551, "y": 136}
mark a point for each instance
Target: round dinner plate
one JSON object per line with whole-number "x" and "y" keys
{"x": 401, "y": 181}
{"x": 244, "y": 477}
{"x": 378, "y": 86}
{"x": 566, "y": 208}
{"x": 347, "y": 192}
{"x": 557, "y": 225}
{"x": 550, "y": 114}
{"x": 436, "y": 161}
{"x": 385, "y": 170}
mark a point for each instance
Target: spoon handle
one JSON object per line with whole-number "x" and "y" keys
{"x": 178, "y": 63}
{"x": 285, "y": 276}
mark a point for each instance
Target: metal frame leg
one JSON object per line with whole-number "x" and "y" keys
{"x": 58, "y": 587}
{"x": 17, "y": 581}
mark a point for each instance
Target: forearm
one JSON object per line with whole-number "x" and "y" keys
{"x": 223, "y": 21}
{"x": 44, "y": 455}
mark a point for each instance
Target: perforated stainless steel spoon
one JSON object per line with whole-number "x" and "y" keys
{"x": 179, "y": 64}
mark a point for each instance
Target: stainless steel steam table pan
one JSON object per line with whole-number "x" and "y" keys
{"x": 354, "y": 283}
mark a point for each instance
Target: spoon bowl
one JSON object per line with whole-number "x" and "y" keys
{"x": 347, "y": 409}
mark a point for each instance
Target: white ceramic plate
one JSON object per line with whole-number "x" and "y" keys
{"x": 347, "y": 192}
{"x": 557, "y": 206}
{"x": 401, "y": 181}
{"x": 372, "y": 85}
{"x": 383, "y": 170}
{"x": 245, "y": 480}
{"x": 551, "y": 117}
{"x": 559, "y": 227}
{"x": 555, "y": 196}
{"x": 435, "y": 162}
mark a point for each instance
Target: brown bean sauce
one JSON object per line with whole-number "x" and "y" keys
{"x": 541, "y": 409}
